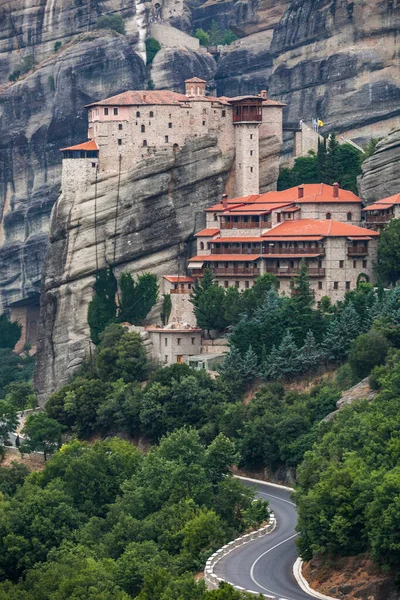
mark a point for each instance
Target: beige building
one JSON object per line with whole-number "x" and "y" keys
{"x": 179, "y": 287}
{"x": 271, "y": 233}
{"x": 174, "y": 343}
{"x": 135, "y": 125}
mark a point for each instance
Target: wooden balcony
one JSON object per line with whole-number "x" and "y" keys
{"x": 378, "y": 218}
{"x": 240, "y": 250}
{"x": 184, "y": 291}
{"x": 293, "y": 271}
{"x": 235, "y": 272}
{"x": 307, "y": 250}
{"x": 242, "y": 225}
{"x": 357, "y": 251}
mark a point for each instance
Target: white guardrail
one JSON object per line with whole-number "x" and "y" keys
{"x": 212, "y": 580}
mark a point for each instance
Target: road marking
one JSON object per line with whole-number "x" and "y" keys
{"x": 261, "y": 556}
{"x": 276, "y": 498}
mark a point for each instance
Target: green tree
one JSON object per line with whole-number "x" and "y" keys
{"x": 228, "y": 37}
{"x": 103, "y": 308}
{"x": 126, "y": 359}
{"x": 10, "y": 332}
{"x": 152, "y": 47}
{"x": 368, "y": 351}
{"x": 13, "y": 368}
{"x": 285, "y": 361}
{"x": 330, "y": 173}
{"x": 114, "y": 22}
{"x": 136, "y": 299}
{"x": 20, "y": 394}
{"x": 340, "y": 333}
{"x": 12, "y": 477}
{"x": 370, "y": 148}
{"x": 389, "y": 252}
{"x": 166, "y": 308}
{"x": 203, "y": 37}
{"x": 215, "y": 34}
{"x": 310, "y": 353}
{"x": 8, "y": 424}
{"x": 42, "y": 434}
{"x": 301, "y": 315}
{"x": 208, "y": 302}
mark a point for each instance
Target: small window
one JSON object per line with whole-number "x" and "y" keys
{"x": 335, "y": 285}
{"x": 106, "y": 111}
{"x": 320, "y": 285}
{"x": 349, "y": 216}
{"x": 93, "y": 165}
{"x": 190, "y": 286}
{"x": 145, "y": 143}
{"x": 115, "y": 111}
{"x": 169, "y": 125}
{"x": 215, "y": 217}
{"x": 246, "y": 285}
{"x": 151, "y": 114}
{"x": 137, "y": 114}
{"x": 365, "y": 264}
{"x": 341, "y": 264}
{"x": 193, "y": 341}
{"x": 142, "y": 128}
{"x": 224, "y": 113}
{"x": 354, "y": 264}
{"x": 166, "y": 139}
{"x": 226, "y": 284}
{"x": 279, "y": 284}
{"x": 119, "y": 142}
{"x": 328, "y": 216}
{"x": 251, "y": 169}
{"x": 201, "y": 245}
{"x": 251, "y": 136}
{"x": 178, "y": 341}
{"x": 347, "y": 285}
{"x": 166, "y": 358}
{"x": 120, "y": 126}
{"x": 179, "y": 359}
{"x": 165, "y": 342}
{"x": 251, "y": 152}
{"x": 237, "y": 283}
{"x": 204, "y": 123}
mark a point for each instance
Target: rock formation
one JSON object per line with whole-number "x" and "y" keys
{"x": 39, "y": 115}
{"x": 380, "y": 173}
{"x": 171, "y": 66}
{"x": 161, "y": 204}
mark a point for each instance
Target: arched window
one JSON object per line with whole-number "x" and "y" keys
{"x": 328, "y": 216}
{"x": 151, "y": 114}
{"x": 349, "y": 216}
{"x": 142, "y": 128}
{"x": 138, "y": 114}
{"x": 201, "y": 245}
{"x": 144, "y": 142}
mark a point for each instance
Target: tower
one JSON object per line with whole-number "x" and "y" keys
{"x": 247, "y": 118}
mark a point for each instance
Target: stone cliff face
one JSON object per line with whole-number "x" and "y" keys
{"x": 38, "y": 116}
{"x": 161, "y": 205}
{"x": 380, "y": 173}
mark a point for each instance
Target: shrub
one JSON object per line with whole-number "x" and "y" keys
{"x": 203, "y": 37}
{"x": 152, "y": 47}
{"x": 367, "y": 351}
{"x": 57, "y": 46}
{"x": 114, "y": 22}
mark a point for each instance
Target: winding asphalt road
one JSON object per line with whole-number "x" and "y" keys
{"x": 266, "y": 564}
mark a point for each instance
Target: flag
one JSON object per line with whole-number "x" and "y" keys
{"x": 320, "y": 123}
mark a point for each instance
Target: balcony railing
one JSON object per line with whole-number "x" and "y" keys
{"x": 378, "y": 218}
{"x": 293, "y": 271}
{"x": 243, "y": 251}
{"x": 357, "y": 251}
{"x": 242, "y": 225}
{"x": 291, "y": 250}
{"x": 236, "y": 272}
{"x": 184, "y": 291}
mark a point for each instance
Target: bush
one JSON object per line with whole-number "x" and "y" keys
{"x": 114, "y": 22}
{"x": 152, "y": 47}
{"x": 367, "y": 351}
{"x": 203, "y": 37}
{"x": 57, "y": 46}
{"x": 10, "y": 332}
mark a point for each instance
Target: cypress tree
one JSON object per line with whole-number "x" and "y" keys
{"x": 166, "y": 308}
{"x": 136, "y": 299}
{"x": 102, "y": 309}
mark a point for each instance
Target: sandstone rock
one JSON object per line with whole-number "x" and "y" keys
{"x": 360, "y": 391}
{"x": 380, "y": 173}
{"x": 171, "y": 66}
{"x": 161, "y": 205}
{"x": 39, "y": 115}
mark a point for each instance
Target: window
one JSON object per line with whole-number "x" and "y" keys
{"x": 278, "y": 217}
{"x": 251, "y": 152}
{"x": 215, "y": 217}
{"x": 165, "y": 342}
{"x": 179, "y": 359}
{"x": 142, "y": 128}
{"x": 226, "y": 284}
{"x": 349, "y": 216}
{"x": 137, "y": 114}
{"x": 144, "y": 143}
{"x": 166, "y": 139}
{"x": 335, "y": 285}
{"x": 320, "y": 285}
{"x": 178, "y": 341}
{"x": 341, "y": 264}
{"x": 204, "y": 123}
{"x": 106, "y": 111}
{"x": 120, "y": 126}
{"x": 328, "y": 216}
{"x": 251, "y": 169}
{"x": 193, "y": 341}
{"x": 170, "y": 125}
{"x": 201, "y": 245}
{"x": 224, "y": 113}
{"x": 119, "y": 142}
{"x": 237, "y": 283}
{"x": 190, "y": 286}
{"x": 251, "y": 136}
{"x": 115, "y": 111}
{"x": 365, "y": 263}
{"x": 354, "y": 264}
{"x": 279, "y": 284}
{"x": 151, "y": 114}
{"x": 347, "y": 285}
{"x": 246, "y": 285}
{"x": 93, "y": 165}
{"x": 166, "y": 358}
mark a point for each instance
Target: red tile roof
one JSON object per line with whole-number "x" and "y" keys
{"x": 256, "y": 208}
{"x": 207, "y": 232}
{"x": 137, "y": 97}
{"x": 195, "y": 80}
{"x": 378, "y": 206}
{"x": 178, "y": 279}
{"x": 237, "y": 239}
{"x": 312, "y": 227}
{"x": 225, "y": 258}
{"x": 390, "y": 200}
{"x": 85, "y": 146}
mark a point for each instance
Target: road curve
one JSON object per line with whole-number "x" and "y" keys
{"x": 266, "y": 564}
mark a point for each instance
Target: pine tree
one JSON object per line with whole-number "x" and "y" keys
{"x": 249, "y": 365}
{"x": 102, "y": 309}
{"x": 331, "y": 170}
{"x": 232, "y": 366}
{"x": 310, "y": 353}
{"x": 341, "y": 332}
{"x": 285, "y": 361}
{"x": 300, "y": 306}
{"x": 321, "y": 158}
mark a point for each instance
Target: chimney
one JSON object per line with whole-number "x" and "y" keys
{"x": 264, "y": 94}
{"x": 336, "y": 190}
{"x": 300, "y": 192}
{"x": 225, "y": 201}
